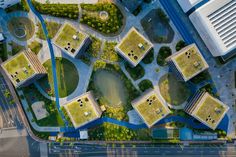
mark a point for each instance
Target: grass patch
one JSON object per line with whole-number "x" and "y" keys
{"x": 172, "y": 90}
{"x": 35, "y": 46}
{"x": 163, "y": 53}
{"x": 67, "y": 77}
{"x": 136, "y": 72}
{"x": 109, "y": 52}
{"x": 91, "y": 17}
{"x": 52, "y": 28}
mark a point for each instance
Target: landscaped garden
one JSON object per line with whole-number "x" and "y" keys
{"x": 156, "y": 25}
{"x": 94, "y": 47}
{"x": 52, "y": 28}
{"x": 113, "y": 89}
{"x": 163, "y": 53}
{"x": 35, "y": 46}
{"x": 32, "y": 95}
{"x": 103, "y": 17}
{"x": 109, "y": 53}
{"x": 60, "y": 10}
{"x": 67, "y": 77}
{"x": 22, "y": 28}
{"x": 173, "y": 91}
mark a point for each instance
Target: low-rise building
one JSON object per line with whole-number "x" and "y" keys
{"x": 150, "y": 107}
{"x": 133, "y": 47}
{"x": 187, "y": 63}
{"x": 8, "y": 3}
{"x": 71, "y": 40}
{"x": 83, "y": 110}
{"x": 207, "y": 109}
{"x": 23, "y": 68}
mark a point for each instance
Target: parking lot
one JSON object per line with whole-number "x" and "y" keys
{"x": 8, "y": 109}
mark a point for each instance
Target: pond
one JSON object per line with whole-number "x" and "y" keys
{"x": 111, "y": 87}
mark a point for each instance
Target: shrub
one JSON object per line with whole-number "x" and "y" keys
{"x": 137, "y": 10}
{"x": 163, "y": 53}
{"x": 162, "y": 15}
{"x": 149, "y": 57}
{"x": 135, "y": 72}
{"x": 181, "y": 44}
{"x": 94, "y": 47}
{"x": 109, "y": 52}
{"x": 70, "y": 11}
{"x": 145, "y": 84}
{"x": 99, "y": 64}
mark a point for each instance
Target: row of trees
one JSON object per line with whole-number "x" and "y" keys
{"x": 60, "y": 10}
{"x": 109, "y": 26}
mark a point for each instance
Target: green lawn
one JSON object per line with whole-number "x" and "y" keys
{"x": 172, "y": 90}
{"x": 35, "y": 46}
{"x": 67, "y": 77}
{"x": 52, "y": 28}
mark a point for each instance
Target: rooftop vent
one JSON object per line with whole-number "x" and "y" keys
{"x": 75, "y": 37}
{"x": 217, "y": 110}
{"x": 159, "y": 110}
{"x": 140, "y": 45}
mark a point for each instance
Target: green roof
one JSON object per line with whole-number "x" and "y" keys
{"x": 81, "y": 111}
{"x": 134, "y": 45}
{"x": 190, "y": 62}
{"x": 19, "y": 68}
{"x": 210, "y": 110}
{"x": 151, "y": 109}
{"x": 65, "y": 39}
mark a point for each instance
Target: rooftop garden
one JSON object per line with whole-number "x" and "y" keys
{"x": 52, "y": 28}
{"x": 18, "y": 68}
{"x": 69, "y": 38}
{"x": 22, "y": 28}
{"x": 32, "y": 95}
{"x": 134, "y": 45}
{"x": 60, "y": 10}
{"x": 81, "y": 111}
{"x": 151, "y": 108}
{"x": 215, "y": 110}
{"x": 104, "y": 17}
{"x": 190, "y": 62}
{"x": 172, "y": 90}
{"x": 67, "y": 77}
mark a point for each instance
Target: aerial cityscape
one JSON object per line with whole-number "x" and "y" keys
{"x": 117, "y": 78}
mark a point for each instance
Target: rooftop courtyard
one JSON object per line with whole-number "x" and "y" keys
{"x": 150, "y": 107}
{"x": 210, "y": 110}
{"x": 18, "y": 68}
{"x": 189, "y": 62}
{"x": 134, "y": 46}
{"x": 70, "y": 39}
{"x": 83, "y": 110}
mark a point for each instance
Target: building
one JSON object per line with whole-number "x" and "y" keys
{"x": 150, "y": 107}
{"x": 215, "y": 23}
{"x": 7, "y": 3}
{"x": 187, "y": 63}
{"x": 186, "y": 5}
{"x": 131, "y": 5}
{"x": 23, "y": 68}
{"x": 71, "y": 40}
{"x": 207, "y": 109}
{"x": 133, "y": 47}
{"x": 83, "y": 110}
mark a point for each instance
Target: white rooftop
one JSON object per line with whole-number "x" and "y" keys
{"x": 39, "y": 110}
{"x": 186, "y": 5}
{"x": 216, "y": 23}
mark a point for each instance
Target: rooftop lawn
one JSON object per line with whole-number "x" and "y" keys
{"x": 151, "y": 109}
{"x": 130, "y": 45}
{"x": 208, "y": 113}
{"x": 65, "y": 38}
{"x": 77, "y": 109}
{"x": 16, "y": 65}
{"x": 190, "y": 62}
